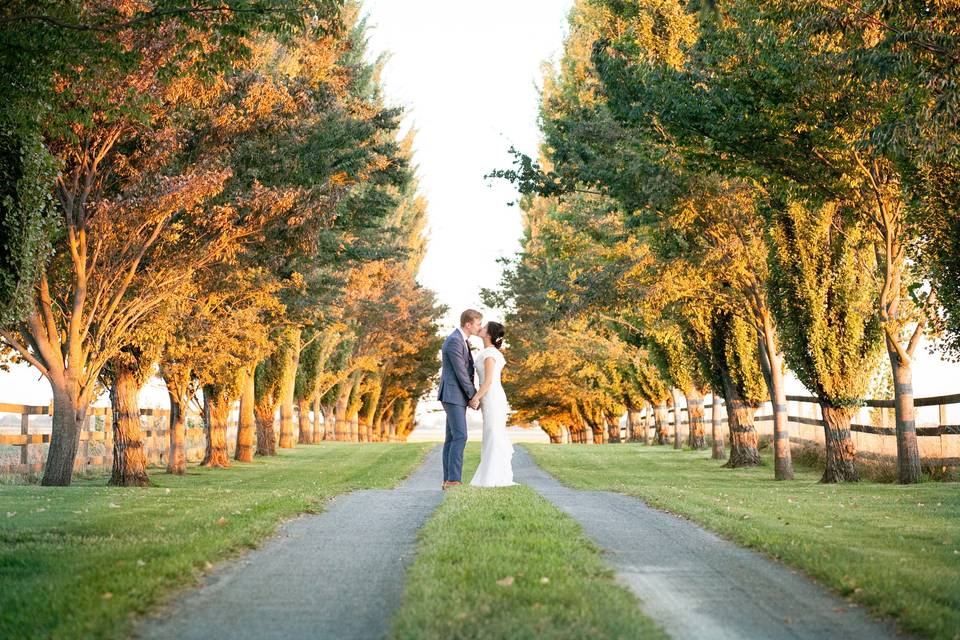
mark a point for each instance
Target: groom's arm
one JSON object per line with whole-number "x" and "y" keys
{"x": 455, "y": 353}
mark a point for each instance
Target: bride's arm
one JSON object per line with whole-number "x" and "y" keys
{"x": 488, "y": 367}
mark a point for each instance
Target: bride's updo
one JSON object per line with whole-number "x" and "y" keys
{"x": 495, "y": 331}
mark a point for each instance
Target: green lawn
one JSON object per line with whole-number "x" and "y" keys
{"x": 893, "y": 548}
{"x": 76, "y": 562}
{"x": 505, "y": 563}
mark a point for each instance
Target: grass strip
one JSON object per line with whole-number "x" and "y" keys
{"x": 80, "y": 561}
{"x": 893, "y": 548}
{"x": 505, "y": 563}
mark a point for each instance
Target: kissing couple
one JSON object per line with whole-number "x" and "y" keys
{"x": 461, "y": 372}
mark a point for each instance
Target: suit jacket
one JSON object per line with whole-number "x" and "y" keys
{"x": 456, "y": 374}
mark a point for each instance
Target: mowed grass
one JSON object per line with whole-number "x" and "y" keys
{"x": 505, "y": 563}
{"x": 893, "y": 548}
{"x": 81, "y": 561}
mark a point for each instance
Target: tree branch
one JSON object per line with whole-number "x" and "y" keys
{"x": 25, "y": 353}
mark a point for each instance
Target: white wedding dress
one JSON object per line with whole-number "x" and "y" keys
{"x": 496, "y": 451}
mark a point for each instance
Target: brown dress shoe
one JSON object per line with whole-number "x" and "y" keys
{"x": 454, "y": 483}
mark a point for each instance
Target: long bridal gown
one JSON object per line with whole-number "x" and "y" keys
{"x": 496, "y": 451}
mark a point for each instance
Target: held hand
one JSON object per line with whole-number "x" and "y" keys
{"x": 474, "y": 403}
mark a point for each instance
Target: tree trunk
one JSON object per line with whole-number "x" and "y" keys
{"x": 354, "y": 401}
{"x": 908, "y": 455}
{"x": 840, "y": 451}
{"x": 317, "y": 421}
{"x": 716, "y": 426}
{"x": 266, "y": 436}
{"x": 635, "y": 425}
{"x": 329, "y": 422}
{"x": 677, "y": 420}
{"x": 341, "y": 425}
{"x": 696, "y": 439}
{"x": 303, "y": 420}
{"x": 247, "y": 420}
{"x": 647, "y": 418}
{"x": 369, "y": 414}
{"x": 743, "y": 435}
{"x": 216, "y": 414}
{"x": 288, "y": 376}
{"x": 129, "y": 459}
{"x": 661, "y": 436}
{"x": 177, "y": 455}
{"x": 381, "y": 426}
{"x": 391, "y": 428}
{"x": 613, "y": 429}
{"x": 69, "y": 411}
{"x": 771, "y": 363}
{"x": 894, "y": 268}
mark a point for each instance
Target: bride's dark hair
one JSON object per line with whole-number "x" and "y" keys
{"x": 495, "y": 331}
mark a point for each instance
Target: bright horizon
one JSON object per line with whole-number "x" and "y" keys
{"x": 467, "y": 107}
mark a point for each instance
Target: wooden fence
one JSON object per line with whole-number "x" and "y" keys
{"x": 96, "y": 438}
{"x": 938, "y": 442}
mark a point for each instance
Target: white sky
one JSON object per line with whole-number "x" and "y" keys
{"x": 467, "y": 73}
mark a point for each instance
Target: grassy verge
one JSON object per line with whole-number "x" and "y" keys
{"x": 505, "y": 563}
{"x": 893, "y": 548}
{"x": 80, "y": 561}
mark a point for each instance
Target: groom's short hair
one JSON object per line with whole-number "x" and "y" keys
{"x": 469, "y": 316}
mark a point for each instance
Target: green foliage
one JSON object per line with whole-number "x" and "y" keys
{"x": 27, "y": 220}
{"x": 734, "y": 357}
{"x": 821, "y": 294}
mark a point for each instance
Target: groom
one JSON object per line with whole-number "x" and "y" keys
{"x": 456, "y": 391}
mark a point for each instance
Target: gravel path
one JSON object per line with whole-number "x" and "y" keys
{"x": 696, "y": 584}
{"x": 338, "y": 574}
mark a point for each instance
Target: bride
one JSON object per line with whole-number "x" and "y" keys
{"x": 495, "y": 468}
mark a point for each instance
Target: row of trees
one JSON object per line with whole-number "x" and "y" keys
{"x": 726, "y": 189}
{"x": 215, "y": 192}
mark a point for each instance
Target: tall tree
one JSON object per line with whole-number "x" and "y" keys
{"x": 821, "y": 295}
{"x": 110, "y": 122}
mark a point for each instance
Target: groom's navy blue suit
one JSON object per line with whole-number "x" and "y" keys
{"x": 456, "y": 389}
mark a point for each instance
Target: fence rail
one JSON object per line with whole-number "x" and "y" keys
{"x": 97, "y": 431}
{"x": 939, "y": 444}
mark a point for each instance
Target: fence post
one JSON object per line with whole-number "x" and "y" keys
{"x": 25, "y": 431}
{"x": 108, "y": 437}
{"x": 944, "y": 438}
{"x": 85, "y": 448}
